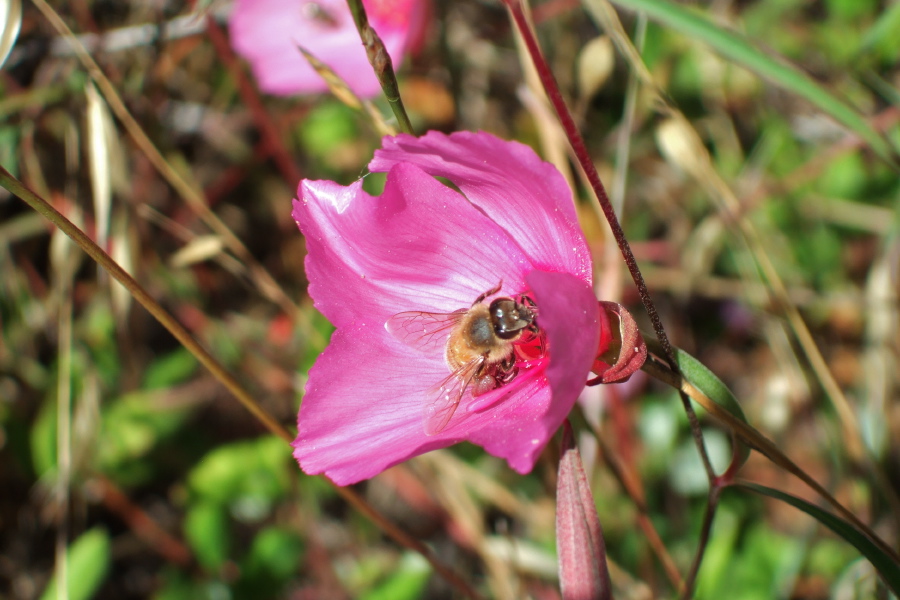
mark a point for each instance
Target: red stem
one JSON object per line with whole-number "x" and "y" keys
{"x": 574, "y": 136}
{"x": 584, "y": 159}
{"x": 250, "y": 97}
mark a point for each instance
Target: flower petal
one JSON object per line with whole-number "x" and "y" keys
{"x": 372, "y": 257}
{"x": 569, "y": 314}
{"x": 362, "y": 411}
{"x": 523, "y": 194}
{"x": 267, "y": 33}
{"x": 516, "y": 428}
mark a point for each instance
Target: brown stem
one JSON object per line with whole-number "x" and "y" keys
{"x": 143, "y": 526}
{"x": 757, "y": 441}
{"x": 709, "y": 515}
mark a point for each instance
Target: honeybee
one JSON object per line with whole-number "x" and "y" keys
{"x": 480, "y": 351}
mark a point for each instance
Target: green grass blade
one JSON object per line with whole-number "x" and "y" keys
{"x": 739, "y": 49}
{"x": 884, "y": 31}
{"x": 707, "y": 382}
{"x": 89, "y": 559}
{"x": 886, "y": 566}
{"x": 708, "y": 391}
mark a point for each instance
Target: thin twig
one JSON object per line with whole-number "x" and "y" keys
{"x": 168, "y": 321}
{"x": 709, "y": 515}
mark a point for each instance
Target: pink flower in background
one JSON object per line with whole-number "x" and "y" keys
{"x": 382, "y": 392}
{"x": 267, "y": 33}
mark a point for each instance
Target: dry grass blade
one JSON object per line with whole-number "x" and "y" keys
{"x": 199, "y": 249}
{"x": 64, "y": 263}
{"x": 123, "y": 252}
{"x": 881, "y": 352}
{"x": 339, "y": 88}
{"x": 98, "y": 134}
{"x": 261, "y": 277}
{"x": 10, "y": 23}
{"x": 450, "y": 487}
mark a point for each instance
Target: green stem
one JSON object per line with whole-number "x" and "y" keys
{"x": 381, "y": 63}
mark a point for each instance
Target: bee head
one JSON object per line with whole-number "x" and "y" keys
{"x": 510, "y": 317}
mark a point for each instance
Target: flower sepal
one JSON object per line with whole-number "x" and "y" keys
{"x": 621, "y": 350}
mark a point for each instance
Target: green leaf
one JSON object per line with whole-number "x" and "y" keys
{"x": 133, "y": 426}
{"x": 246, "y": 476}
{"x": 883, "y": 34}
{"x": 178, "y": 585}
{"x": 207, "y": 531}
{"x": 274, "y": 557}
{"x": 406, "y": 583}
{"x": 847, "y": 10}
{"x": 745, "y": 559}
{"x": 698, "y": 375}
{"x": 887, "y": 566}
{"x": 736, "y": 47}
{"x": 327, "y": 127}
{"x": 43, "y": 439}
{"x": 9, "y": 141}
{"x": 707, "y": 382}
{"x": 88, "y": 563}
{"x": 171, "y": 369}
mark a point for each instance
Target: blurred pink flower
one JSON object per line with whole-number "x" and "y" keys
{"x": 424, "y": 246}
{"x": 267, "y": 33}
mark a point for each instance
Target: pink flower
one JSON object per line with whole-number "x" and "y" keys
{"x": 372, "y": 395}
{"x": 267, "y": 33}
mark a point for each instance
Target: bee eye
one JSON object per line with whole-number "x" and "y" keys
{"x": 507, "y": 318}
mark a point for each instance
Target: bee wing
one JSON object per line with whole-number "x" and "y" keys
{"x": 423, "y": 330}
{"x": 445, "y": 396}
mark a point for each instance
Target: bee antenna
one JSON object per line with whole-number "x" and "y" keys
{"x": 490, "y": 292}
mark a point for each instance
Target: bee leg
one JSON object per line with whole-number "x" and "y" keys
{"x": 506, "y": 370}
{"x": 490, "y": 292}
{"x": 482, "y": 384}
{"x": 504, "y": 377}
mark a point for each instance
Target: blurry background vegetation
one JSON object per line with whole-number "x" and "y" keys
{"x": 171, "y": 490}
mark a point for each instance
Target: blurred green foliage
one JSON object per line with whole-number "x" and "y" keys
{"x": 148, "y": 421}
{"x": 88, "y": 561}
